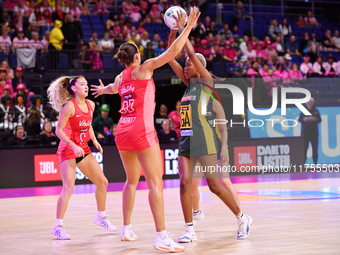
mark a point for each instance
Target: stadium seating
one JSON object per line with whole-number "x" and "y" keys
{"x": 108, "y": 62}
{"x": 217, "y": 69}
{"x": 63, "y": 61}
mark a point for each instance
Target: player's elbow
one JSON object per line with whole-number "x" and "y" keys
{"x": 174, "y": 50}
{"x": 57, "y": 131}
{"x": 190, "y": 54}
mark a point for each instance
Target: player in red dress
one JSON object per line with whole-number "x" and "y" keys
{"x": 136, "y": 137}
{"x": 74, "y": 129}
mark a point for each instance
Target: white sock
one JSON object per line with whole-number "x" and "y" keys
{"x": 102, "y": 214}
{"x": 241, "y": 215}
{"x": 189, "y": 226}
{"x": 127, "y": 226}
{"x": 162, "y": 234}
{"x": 59, "y": 222}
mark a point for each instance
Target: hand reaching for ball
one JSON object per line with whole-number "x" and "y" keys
{"x": 181, "y": 19}
{"x": 194, "y": 15}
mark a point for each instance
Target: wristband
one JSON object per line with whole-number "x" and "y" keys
{"x": 180, "y": 30}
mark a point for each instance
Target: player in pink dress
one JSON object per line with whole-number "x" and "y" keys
{"x": 136, "y": 137}
{"x": 176, "y": 118}
{"x": 74, "y": 129}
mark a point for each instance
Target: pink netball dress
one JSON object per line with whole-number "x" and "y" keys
{"x": 78, "y": 130}
{"x": 136, "y": 130}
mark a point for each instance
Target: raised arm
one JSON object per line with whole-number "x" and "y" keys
{"x": 175, "y": 48}
{"x": 204, "y": 73}
{"x": 176, "y": 67}
{"x": 112, "y": 88}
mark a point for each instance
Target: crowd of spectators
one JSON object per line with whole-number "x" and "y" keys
{"x": 22, "y": 107}
{"x": 22, "y": 20}
{"x": 279, "y": 58}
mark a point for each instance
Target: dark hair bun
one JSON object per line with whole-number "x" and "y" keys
{"x": 123, "y": 57}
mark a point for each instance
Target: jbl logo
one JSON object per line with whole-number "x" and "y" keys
{"x": 244, "y": 158}
{"x": 47, "y": 167}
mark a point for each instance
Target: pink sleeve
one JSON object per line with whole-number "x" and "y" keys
{"x": 251, "y": 71}
{"x": 14, "y": 41}
{"x": 171, "y": 114}
{"x": 285, "y": 77}
{"x": 278, "y": 74}
{"x": 316, "y": 68}
{"x": 304, "y": 69}
{"x": 264, "y": 54}
{"x": 124, "y": 7}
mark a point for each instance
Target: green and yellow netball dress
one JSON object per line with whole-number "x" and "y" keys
{"x": 198, "y": 134}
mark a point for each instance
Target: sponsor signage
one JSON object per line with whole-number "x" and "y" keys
{"x": 329, "y": 130}
{"x": 245, "y": 156}
{"x": 263, "y": 155}
{"x": 266, "y": 153}
{"x": 46, "y": 168}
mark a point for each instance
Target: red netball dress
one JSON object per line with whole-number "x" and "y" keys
{"x": 78, "y": 130}
{"x": 136, "y": 130}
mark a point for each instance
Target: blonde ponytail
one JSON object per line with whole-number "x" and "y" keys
{"x": 58, "y": 92}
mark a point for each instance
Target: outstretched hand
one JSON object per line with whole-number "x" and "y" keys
{"x": 97, "y": 90}
{"x": 194, "y": 15}
{"x": 181, "y": 19}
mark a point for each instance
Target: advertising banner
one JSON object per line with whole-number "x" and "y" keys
{"x": 276, "y": 125}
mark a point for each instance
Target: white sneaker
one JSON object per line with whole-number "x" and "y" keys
{"x": 167, "y": 244}
{"x": 198, "y": 215}
{"x": 244, "y": 224}
{"x": 60, "y": 233}
{"x": 127, "y": 234}
{"x": 105, "y": 223}
{"x": 188, "y": 236}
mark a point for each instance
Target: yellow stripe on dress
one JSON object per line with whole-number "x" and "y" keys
{"x": 218, "y": 132}
{"x": 207, "y": 130}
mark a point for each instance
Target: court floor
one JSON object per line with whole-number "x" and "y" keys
{"x": 297, "y": 216}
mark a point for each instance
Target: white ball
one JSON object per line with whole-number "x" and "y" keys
{"x": 169, "y": 19}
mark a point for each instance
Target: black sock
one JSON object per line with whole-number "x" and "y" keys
{"x": 197, "y": 211}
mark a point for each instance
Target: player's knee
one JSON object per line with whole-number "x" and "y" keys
{"x": 104, "y": 183}
{"x": 214, "y": 188}
{"x": 131, "y": 183}
{"x": 158, "y": 189}
{"x": 226, "y": 184}
{"x": 68, "y": 189}
{"x": 185, "y": 185}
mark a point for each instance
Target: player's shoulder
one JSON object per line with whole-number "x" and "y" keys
{"x": 68, "y": 106}
{"x": 68, "y": 109}
{"x": 93, "y": 105}
{"x": 121, "y": 75}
